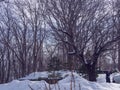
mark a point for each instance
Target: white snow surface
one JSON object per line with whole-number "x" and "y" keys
{"x": 72, "y": 80}
{"x": 36, "y": 75}
{"x": 101, "y": 78}
{"x": 45, "y": 74}
{"x": 116, "y": 77}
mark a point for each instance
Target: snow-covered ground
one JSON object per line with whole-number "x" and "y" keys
{"x": 113, "y": 76}
{"x": 46, "y": 74}
{"x": 101, "y": 78}
{"x": 73, "y": 81}
{"x": 116, "y": 77}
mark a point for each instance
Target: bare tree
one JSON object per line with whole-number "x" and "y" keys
{"x": 6, "y": 37}
{"x": 32, "y": 33}
{"x": 85, "y": 28}
{"x": 116, "y": 17}
{"x": 23, "y": 32}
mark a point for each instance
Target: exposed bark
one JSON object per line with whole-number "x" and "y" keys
{"x": 91, "y": 70}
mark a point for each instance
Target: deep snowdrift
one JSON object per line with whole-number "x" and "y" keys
{"x": 73, "y": 81}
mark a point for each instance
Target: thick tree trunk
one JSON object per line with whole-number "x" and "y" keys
{"x": 119, "y": 56}
{"x": 91, "y": 72}
{"x": 92, "y": 75}
{"x": 70, "y": 62}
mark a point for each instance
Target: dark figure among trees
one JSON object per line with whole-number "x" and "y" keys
{"x": 108, "y": 76}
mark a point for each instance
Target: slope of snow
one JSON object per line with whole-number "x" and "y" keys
{"x": 23, "y": 85}
{"x": 36, "y": 75}
{"x": 72, "y": 80}
{"x": 45, "y": 74}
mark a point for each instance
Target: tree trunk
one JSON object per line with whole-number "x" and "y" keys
{"x": 119, "y": 56}
{"x": 91, "y": 72}
{"x": 70, "y": 62}
{"x": 70, "y": 49}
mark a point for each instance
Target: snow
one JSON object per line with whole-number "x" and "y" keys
{"x": 71, "y": 81}
{"x": 116, "y": 77}
{"x": 45, "y": 74}
{"x": 23, "y": 85}
{"x": 101, "y": 78}
{"x": 36, "y": 75}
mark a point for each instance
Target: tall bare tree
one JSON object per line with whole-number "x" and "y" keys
{"x": 84, "y": 27}
{"x": 23, "y": 32}
{"x": 116, "y": 16}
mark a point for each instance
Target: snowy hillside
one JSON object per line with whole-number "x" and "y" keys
{"x": 46, "y": 74}
{"x": 73, "y": 81}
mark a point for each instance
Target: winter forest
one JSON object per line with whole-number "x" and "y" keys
{"x": 53, "y": 35}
